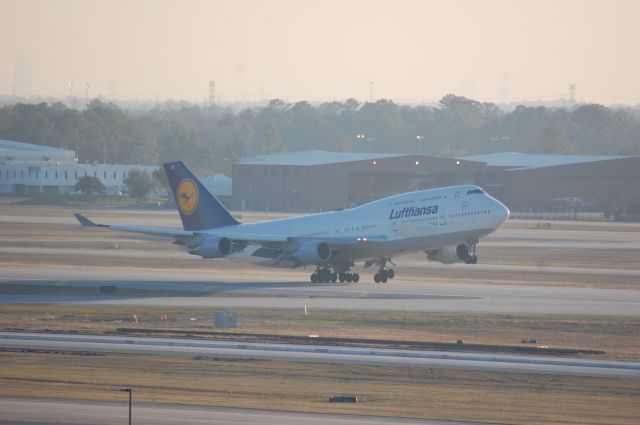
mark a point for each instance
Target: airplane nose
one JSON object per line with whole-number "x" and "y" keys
{"x": 501, "y": 212}
{"x": 504, "y": 212}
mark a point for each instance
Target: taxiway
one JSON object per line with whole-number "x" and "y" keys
{"x": 38, "y": 411}
{"x": 322, "y": 354}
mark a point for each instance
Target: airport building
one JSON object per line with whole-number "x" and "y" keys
{"x": 535, "y": 181}
{"x": 27, "y": 169}
{"x": 321, "y": 181}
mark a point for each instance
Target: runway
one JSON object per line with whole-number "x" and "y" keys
{"x": 521, "y": 283}
{"x": 323, "y": 354}
{"x": 37, "y": 411}
{"x": 398, "y": 295}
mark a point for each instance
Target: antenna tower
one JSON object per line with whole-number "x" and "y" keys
{"x": 212, "y": 92}
{"x": 572, "y": 93}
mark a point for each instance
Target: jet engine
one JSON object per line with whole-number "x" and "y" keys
{"x": 313, "y": 252}
{"x": 213, "y": 248}
{"x": 449, "y": 255}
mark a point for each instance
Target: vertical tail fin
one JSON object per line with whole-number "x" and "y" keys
{"x": 198, "y": 208}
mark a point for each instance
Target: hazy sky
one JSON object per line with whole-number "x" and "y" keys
{"x": 413, "y": 51}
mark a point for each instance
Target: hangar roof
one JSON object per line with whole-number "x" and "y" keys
{"x": 218, "y": 184}
{"x": 17, "y": 151}
{"x": 516, "y": 160}
{"x": 313, "y": 157}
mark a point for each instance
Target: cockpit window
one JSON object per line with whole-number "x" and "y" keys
{"x": 472, "y": 191}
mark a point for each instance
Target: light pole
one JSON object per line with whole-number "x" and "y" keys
{"x": 419, "y": 139}
{"x": 128, "y": 390}
{"x": 360, "y": 138}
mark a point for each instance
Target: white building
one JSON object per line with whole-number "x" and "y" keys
{"x": 27, "y": 169}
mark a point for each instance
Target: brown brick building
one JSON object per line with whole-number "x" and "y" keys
{"x": 534, "y": 181}
{"x": 321, "y": 181}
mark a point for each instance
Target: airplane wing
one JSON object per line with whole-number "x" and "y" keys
{"x": 274, "y": 246}
{"x": 352, "y": 240}
{"x": 157, "y": 231}
{"x": 189, "y": 235}
{"x": 261, "y": 239}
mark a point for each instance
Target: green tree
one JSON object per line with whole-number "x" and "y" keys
{"x": 553, "y": 139}
{"x": 272, "y": 139}
{"x": 89, "y": 185}
{"x": 139, "y": 183}
{"x": 213, "y": 138}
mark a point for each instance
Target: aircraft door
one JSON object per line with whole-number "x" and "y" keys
{"x": 395, "y": 228}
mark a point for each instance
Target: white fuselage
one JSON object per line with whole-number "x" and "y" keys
{"x": 409, "y": 222}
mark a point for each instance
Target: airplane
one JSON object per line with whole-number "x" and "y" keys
{"x": 445, "y": 223}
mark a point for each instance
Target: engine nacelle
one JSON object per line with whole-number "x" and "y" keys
{"x": 448, "y": 255}
{"x": 213, "y": 248}
{"x": 313, "y": 252}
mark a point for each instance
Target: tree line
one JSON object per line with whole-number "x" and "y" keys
{"x": 212, "y": 138}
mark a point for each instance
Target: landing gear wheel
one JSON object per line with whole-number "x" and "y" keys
{"x": 346, "y": 275}
{"x": 468, "y": 252}
{"x": 323, "y": 276}
{"x": 326, "y": 276}
{"x": 383, "y": 275}
{"x": 471, "y": 259}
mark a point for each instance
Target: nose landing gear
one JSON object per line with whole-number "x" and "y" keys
{"x": 467, "y": 252}
{"x": 471, "y": 257}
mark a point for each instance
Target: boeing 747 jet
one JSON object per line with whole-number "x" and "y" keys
{"x": 444, "y": 223}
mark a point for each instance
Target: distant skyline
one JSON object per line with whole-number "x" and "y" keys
{"x": 412, "y": 51}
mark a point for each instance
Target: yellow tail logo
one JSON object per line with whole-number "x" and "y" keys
{"x": 187, "y": 196}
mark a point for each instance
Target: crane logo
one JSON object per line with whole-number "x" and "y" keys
{"x": 187, "y": 196}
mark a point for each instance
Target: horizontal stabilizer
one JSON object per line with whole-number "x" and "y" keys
{"x": 84, "y": 220}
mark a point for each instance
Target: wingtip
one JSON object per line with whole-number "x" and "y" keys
{"x": 84, "y": 221}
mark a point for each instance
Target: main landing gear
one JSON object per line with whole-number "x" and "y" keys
{"x": 325, "y": 275}
{"x": 383, "y": 275}
{"x": 348, "y": 276}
